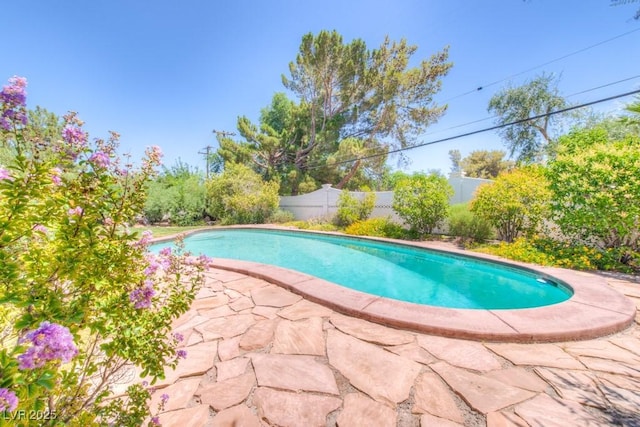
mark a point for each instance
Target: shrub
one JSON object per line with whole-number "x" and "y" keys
{"x": 81, "y": 299}
{"x": 377, "y": 227}
{"x": 177, "y": 195}
{"x": 422, "y": 201}
{"x": 240, "y": 196}
{"x": 515, "y": 203}
{"x": 545, "y": 251}
{"x": 596, "y": 188}
{"x": 281, "y": 216}
{"x": 465, "y": 224}
{"x": 351, "y": 209}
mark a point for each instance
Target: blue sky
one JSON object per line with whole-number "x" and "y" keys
{"x": 169, "y": 72}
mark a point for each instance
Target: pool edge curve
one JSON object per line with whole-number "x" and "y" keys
{"x": 594, "y": 309}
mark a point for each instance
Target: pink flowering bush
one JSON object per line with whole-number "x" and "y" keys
{"x": 82, "y": 301}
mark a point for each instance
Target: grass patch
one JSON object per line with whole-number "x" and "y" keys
{"x": 162, "y": 231}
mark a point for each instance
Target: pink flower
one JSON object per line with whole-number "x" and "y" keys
{"x": 55, "y": 176}
{"x": 49, "y": 342}
{"x": 8, "y": 400}
{"x": 100, "y": 159}
{"x": 14, "y": 93}
{"x": 141, "y": 297}
{"x": 74, "y": 135}
{"x": 77, "y": 211}
{"x": 40, "y": 228}
{"x": 4, "y": 174}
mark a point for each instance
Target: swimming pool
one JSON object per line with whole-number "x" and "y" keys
{"x": 394, "y": 271}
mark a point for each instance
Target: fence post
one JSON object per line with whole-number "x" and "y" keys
{"x": 325, "y": 208}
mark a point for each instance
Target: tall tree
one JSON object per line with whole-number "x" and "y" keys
{"x": 267, "y": 148}
{"x": 42, "y": 129}
{"x": 528, "y": 139}
{"x": 374, "y": 96}
{"x": 485, "y": 164}
{"x": 456, "y": 157}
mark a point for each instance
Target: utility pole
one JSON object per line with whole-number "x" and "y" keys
{"x": 206, "y": 152}
{"x": 208, "y": 149}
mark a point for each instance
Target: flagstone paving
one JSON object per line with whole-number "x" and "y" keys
{"x": 259, "y": 355}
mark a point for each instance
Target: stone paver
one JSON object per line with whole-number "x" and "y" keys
{"x": 180, "y": 394}
{"x": 610, "y": 366}
{"x": 282, "y": 408}
{"x": 505, "y": 419}
{"x": 384, "y": 376}
{"x": 231, "y": 368}
{"x": 225, "y": 327}
{"x": 213, "y": 301}
{"x": 628, "y": 343}
{"x": 428, "y": 420}
{"x": 236, "y": 416}
{"x": 258, "y": 335}
{"x": 361, "y": 410}
{"x": 519, "y": 377}
{"x": 224, "y": 394}
{"x": 274, "y": 296}
{"x": 222, "y": 311}
{"x": 603, "y": 350}
{"x": 546, "y": 411}
{"x": 200, "y": 359}
{"x": 266, "y": 312}
{"x": 621, "y": 398}
{"x": 550, "y": 355}
{"x": 304, "y": 309}
{"x": 301, "y": 337}
{"x": 246, "y": 284}
{"x": 577, "y": 386}
{"x": 464, "y": 354}
{"x": 188, "y": 417}
{"x": 281, "y": 360}
{"x": 294, "y": 373}
{"x": 371, "y": 332}
{"x": 480, "y": 392}
{"x": 412, "y": 351}
{"x": 433, "y": 397}
{"x": 229, "y": 348}
{"x": 241, "y": 304}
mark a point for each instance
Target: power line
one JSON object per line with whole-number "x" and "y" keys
{"x": 568, "y": 96}
{"x": 602, "y": 86}
{"x": 479, "y": 88}
{"x": 475, "y": 132}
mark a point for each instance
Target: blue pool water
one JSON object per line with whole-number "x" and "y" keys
{"x": 394, "y": 271}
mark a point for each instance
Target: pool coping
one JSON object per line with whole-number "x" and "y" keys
{"x": 594, "y": 309}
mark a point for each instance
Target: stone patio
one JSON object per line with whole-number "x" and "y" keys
{"x": 259, "y": 355}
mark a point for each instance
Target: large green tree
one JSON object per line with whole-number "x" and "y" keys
{"x": 373, "y": 96}
{"x": 528, "y": 140}
{"x": 352, "y": 103}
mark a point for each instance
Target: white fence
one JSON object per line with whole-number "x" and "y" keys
{"x": 323, "y": 203}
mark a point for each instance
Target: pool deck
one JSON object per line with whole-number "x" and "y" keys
{"x": 261, "y": 355}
